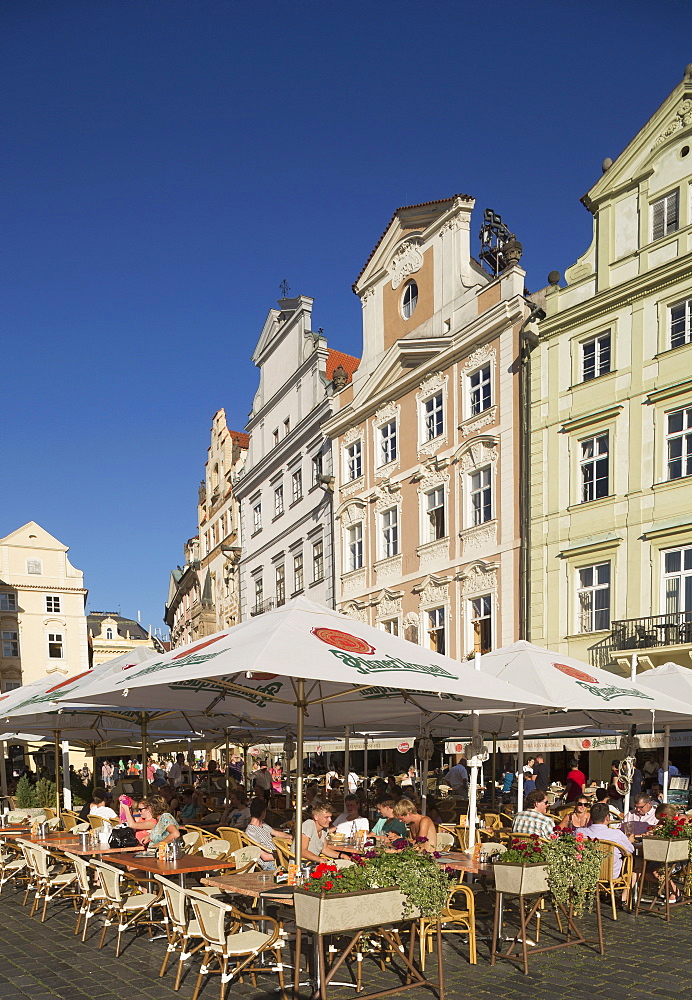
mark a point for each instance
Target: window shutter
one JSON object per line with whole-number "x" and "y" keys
{"x": 672, "y": 212}
{"x": 659, "y": 219}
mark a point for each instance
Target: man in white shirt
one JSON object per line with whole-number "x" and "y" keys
{"x": 641, "y": 817}
{"x": 262, "y": 780}
{"x": 237, "y": 814}
{"x": 175, "y": 772}
{"x": 598, "y": 829}
{"x": 458, "y": 779}
{"x": 349, "y": 822}
{"x": 352, "y": 782}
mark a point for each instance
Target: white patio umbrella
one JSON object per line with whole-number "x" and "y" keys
{"x": 308, "y": 659}
{"x": 675, "y": 682}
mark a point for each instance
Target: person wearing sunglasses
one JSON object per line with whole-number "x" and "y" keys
{"x": 579, "y": 817}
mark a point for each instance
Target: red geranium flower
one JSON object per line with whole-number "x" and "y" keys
{"x": 328, "y": 885}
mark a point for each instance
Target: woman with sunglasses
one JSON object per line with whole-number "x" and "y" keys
{"x": 579, "y": 817}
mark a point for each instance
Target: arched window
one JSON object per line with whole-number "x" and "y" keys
{"x": 109, "y": 633}
{"x": 410, "y": 300}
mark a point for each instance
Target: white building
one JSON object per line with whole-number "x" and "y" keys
{"x": 285, "y": 488}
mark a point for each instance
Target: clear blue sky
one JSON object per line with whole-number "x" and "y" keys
{"x": 168, "y": 162}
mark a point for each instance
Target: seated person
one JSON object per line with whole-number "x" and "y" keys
{"x": 641, "y": 817}
{"x": 431, "y": 809}
{"x": 532, "y": 820}
{"x": 529, "y": 783}
{"x": 158, "y": 825}
{"x": 350, "y": 822}
{"x": 656, "y": 793}
{"x": 388, "y": 826}
{"x": 261, "y": 833}
{"x": 598, "y": 829}
{"x": 170, "y": 795}
{"x": 418, "y": 825}
{"x": 314, "y": 833}
{"x": 602, "y": 796}
{"x": 188, "y": 810}
{"x": 578, "y": 818}
{"x": 99, "y": 806}
{"x": 236, "y": 814}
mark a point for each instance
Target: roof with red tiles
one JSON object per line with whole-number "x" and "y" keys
{"x": 404, "y": 208}
{"x": 347, "y": 361}
{"x": 241, "y": 437}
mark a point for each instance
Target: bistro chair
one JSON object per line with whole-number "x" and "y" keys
{"x": 232, "y": 835}
{"x": 53, "y": 879}
{"x": 12, "y": 863}
{"x": 462, "y": 835}
{"x": 215, "y": 850}
{"x": 125, "y": 904}
{"x": 204, "y": 834}
{"x": 284, "y": 852}
{"x": 458, "y": 917}
{"x": 95, "y": 822}
{"x": 607, "y": 881}
{"x": 90, "y": 894}
{"x": 193, "y": 842}
{"x": 246, "y": 859}
{"x": 70, "y": 819}
{"x": 182, "y": 927}
{"x": 445, "y": 840}
{"x": 234, "y": 950}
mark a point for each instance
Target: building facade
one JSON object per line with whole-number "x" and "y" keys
{"x": 611, "y": 417}
{"x": 285, "y": 486}
{"x": 111, "y": 635}
{"x": 43, "y": 626}
{"x": 203, "y": 595}
{"x": 426, "y": 439}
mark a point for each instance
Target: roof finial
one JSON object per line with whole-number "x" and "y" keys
{"x": 284, "y": 288}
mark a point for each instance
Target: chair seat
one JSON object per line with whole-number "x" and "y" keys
{"x": 97, "y": 894}
{"x": 62, "y": 879}
{"x": 140, "y": 902}
{"x": 210, "y": 890}
{"x": 14, "y": 865}
{"x": 244, "y": 942}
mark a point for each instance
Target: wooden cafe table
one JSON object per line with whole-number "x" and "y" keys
{"x": 180, "y": 867}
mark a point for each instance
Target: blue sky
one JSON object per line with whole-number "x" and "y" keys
{"x": 169, "y": 162}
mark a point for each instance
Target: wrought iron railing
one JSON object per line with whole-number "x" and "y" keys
{"x": 262, "y": 606}
{"x": 635, "y": 634}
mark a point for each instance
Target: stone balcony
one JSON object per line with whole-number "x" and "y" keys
{"x": 653, "y": 640}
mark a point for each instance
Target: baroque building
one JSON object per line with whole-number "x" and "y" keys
{"x": 111, "y": 635}
{"x": 426, "y": 439}
{"x": 611, "y": 418}
{"x": 43, "y": 627}
{"x": 285, "y": 486}
{"x": 203, "y": 595}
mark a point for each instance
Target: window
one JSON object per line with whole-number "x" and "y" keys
{"x": 434, "y": 420}
{"x": 388, "y": 443}
{"x": 389, "y": 520}
{"x": 52, "y": 604}
{"x": 55, "y": 645}
{"x": 318, "y": 561}
{"x": 391, "y": 625}
{"x": 681, "y": 324}
{"x": 481, "y": 496}
{"x": 595, "y": 356}
{"x": 679, "y": 443}
{"x": 33, "y": 567}
{"x": 298, "y": 573}
{"x": 278, "y": 501}
{"x": 280, "y": 585}
{"x": 257, "y": 518}
{"x": 435, "y": 514}
{"x": 8, "y": 602}
{"x": 316, "y": 468}
{"x": 259, "y": 593}
{"x": 10, "y": 644}
{"x": 354, "y": 547}
{"x": 12, "y": 685}
{"x": 287, "y": 426}
{"x": 275, "y": 436}
{"x": 354, "y": 460}
{"x": 594, "y": 468}
{"x": 480, "y": 390}
{"x": 482, "y": 622}
{"x": 436, "y": 629}
{"x": 297, "y": 485}
{"x": 593, "y": 596}
{"x": 677, "y": 581}
{"x": 109, "y": 633}
{"x": 409, "y": 300}
{"x": 664, "y": 216}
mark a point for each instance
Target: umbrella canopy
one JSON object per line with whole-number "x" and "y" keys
{"x": 670, "y": 679}
{"x": 351, "y": 671}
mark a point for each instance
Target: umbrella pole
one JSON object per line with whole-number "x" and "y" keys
{"x": 424, "y": 788}
{"x": 56, "y": 751}
{"x": 520, "y": 764}
{"x": 3, "y": 770}
{"x": 246, "y": 776}
{"x": 145, "y": 783}
{"x": 666, "y": 761}
{"x": 347, "y": 758}
{"x": 473, "y": 793}
{"x": 93, "y": 765}
{"x": 300, "y": 683}
{"x": 365, "y": 769}
{"x": 228, "y": 771}
{"x": 494, "y": 774}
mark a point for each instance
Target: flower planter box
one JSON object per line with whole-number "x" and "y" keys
{"x": 666, "y": 851}
{"x": 520, "y": 880}
{"x": 334, "y": 912}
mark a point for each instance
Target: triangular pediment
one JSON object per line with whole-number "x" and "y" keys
{"x": 32, "y": 535}
{"x": 669, "y": 124}
{"x": 279, "y": 323}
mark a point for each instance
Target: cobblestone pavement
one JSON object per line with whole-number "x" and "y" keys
{"x": 645, "y": 959}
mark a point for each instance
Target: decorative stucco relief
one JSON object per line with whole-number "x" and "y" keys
{"x": 388, "y": 411}
{"x": 478, "y": 357}
{"x": 366, "y": 294}
{"x": 433, "y": 553}
{"x": 486, "y": 419}
{"x": 351, "y": 435}
{"x": 407, "y": 260}
{"x": 479, "y": 581}
{"x": 351, "y": 488}
{"x": 389, "y": 607}
{"x": 389, "y": 570}
{"x": 683, "y": 118}
{"x": 476, "y": 455}
{"x": 387, "y": 495}
{"x": 353, "y": 583}
{"x": 353, "y": 513}
{"x": 477, "y": 539}
{"x": 431, "y": 479}
{"x": 434, "y": 593}
{"x": 358, "y": 614}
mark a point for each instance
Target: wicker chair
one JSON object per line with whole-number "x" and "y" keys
{"x": 455, "y": 919}
{"x": 216, "y": 849}
{"x": 53, "y": 879}
{"x": 125, "y": 904}
{"x": 12, "y": 863}
{"x": 445, "y": 840}
{"x": 90, "y": 894}
{"x": 233, "y": 837}
{"x": 607, "y": 881}
{"x": 182, "y": 927}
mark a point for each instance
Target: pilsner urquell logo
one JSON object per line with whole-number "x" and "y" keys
{"x": 188, "y": 658}
{"x": 605, "y": 691}
{"x": 349, "y": 646}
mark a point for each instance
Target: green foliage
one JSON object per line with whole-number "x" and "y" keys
{"x": 526, "y": 850}
{"x": 572, "y": 861}
{"x": 673, "y": 828}
{"x": 44, "y": 792}
{"x": 25, "y": 795}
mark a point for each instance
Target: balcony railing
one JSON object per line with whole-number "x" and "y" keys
{"x": 262, "y": 606}
{"x": 636, "y": 634}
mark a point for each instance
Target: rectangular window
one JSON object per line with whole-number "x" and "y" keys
{"x": 298, "y": 573}
{"x": 318, "y": 561}
{"x": 287, "y": 426}
{"x": 434, "y": 420}
{"x": 681, "y": 324}
{"x": 595, "y": 356}
{"x": 8, "y": 602}
{"x": 593, "y": 596}
{"x": 388, "y": 443}
{"x": 278, "y": 501}
{"x": 435, "y": 514}
{"x": 354, "y": 460}
{"x": 389, "y": 521}
{"x": 10, "y": 644}
{"x": 12, "y": 685}
{"x": 594, "y": 468}
{"x": 33, "y": 567}
{"x": 280, "y": 586}
{"x": 664, "y": 216}
{"x": 436, "y": 630}
{"x": 275, "y": 436}
{"x": 297, "y": 486}
{"x": 257, "y": 518}
{"x": 53, "y": 604}
{"x": 354, "y": 547}
{"x": 55, "y": 645}
{"x": 391, "y": 625}
{"x": 482, "y": 622}
{"x": 677, "y": 582}
{"x": 481, "y": 496}
{"x": 316, "y": 468}
{"x": 480, "y": 390}
{"x": 259, "y": 594}
{"x": 679, "y": 443}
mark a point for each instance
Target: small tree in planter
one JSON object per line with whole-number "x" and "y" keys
{"x": 44, "y": 792}
{"x": 25, "y": 796}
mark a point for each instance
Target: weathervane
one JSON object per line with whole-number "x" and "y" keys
{"x": 284, "y": 288}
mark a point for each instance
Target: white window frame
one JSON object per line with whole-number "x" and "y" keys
{"x": 317, "y": 467}
{"x": 409, "y": 299}
{"x": 681, "y": 439}
{"x": 109, "y": 633}
{"x": 353, "y": 460}
{"x": 280, "y": 576}
{"x": 477, "y": 606}
{"x": 53, "y": 604}
{"x": 57, "y": 640}
{"x": 353, "y": 547}
{"x": 389, "y": 532}
{"x": 256, "y": 517}
{"x": 278, "y": 500}
{"x": 387, "y": 443}
{"x": 479, "y": 397}
{"x": 258, "y": 582}
{"x": 602, "y": 355}
{"x": 593, "y": 462}
{"x": 587, "y": 619}
{"x": 296, "y": 485}
{"x": 683, "y": 575}
{"x": 318, "y": 560}
{"x": 298, "y": 573}
{"x": 428, "y": 528}
{"x": 390, "y": 625}
{"x": 8, "y": 601}
{"x": 432, "y": 417}
{"x": 683, "y": 321}
{"x": 665, "y": 215}
{"x": 480, "y": 491}
{"x": 436, "y": 622}
{"x": 10, "y": 644}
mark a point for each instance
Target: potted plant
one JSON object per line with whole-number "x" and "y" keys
{"x": 384, "y": 886}
{"x": 670, "y": 841}
{"x": 567, "y": 864}
{"x": 521, "y": 870}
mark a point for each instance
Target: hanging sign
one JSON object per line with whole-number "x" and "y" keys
{"x": 404, "y": 747}
{"x": 255, "y": 751}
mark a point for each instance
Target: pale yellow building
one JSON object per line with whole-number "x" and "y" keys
{"x": 611, "y": 439}
{"x": 111, "y": 635}
{"x": 42, "y": 622}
